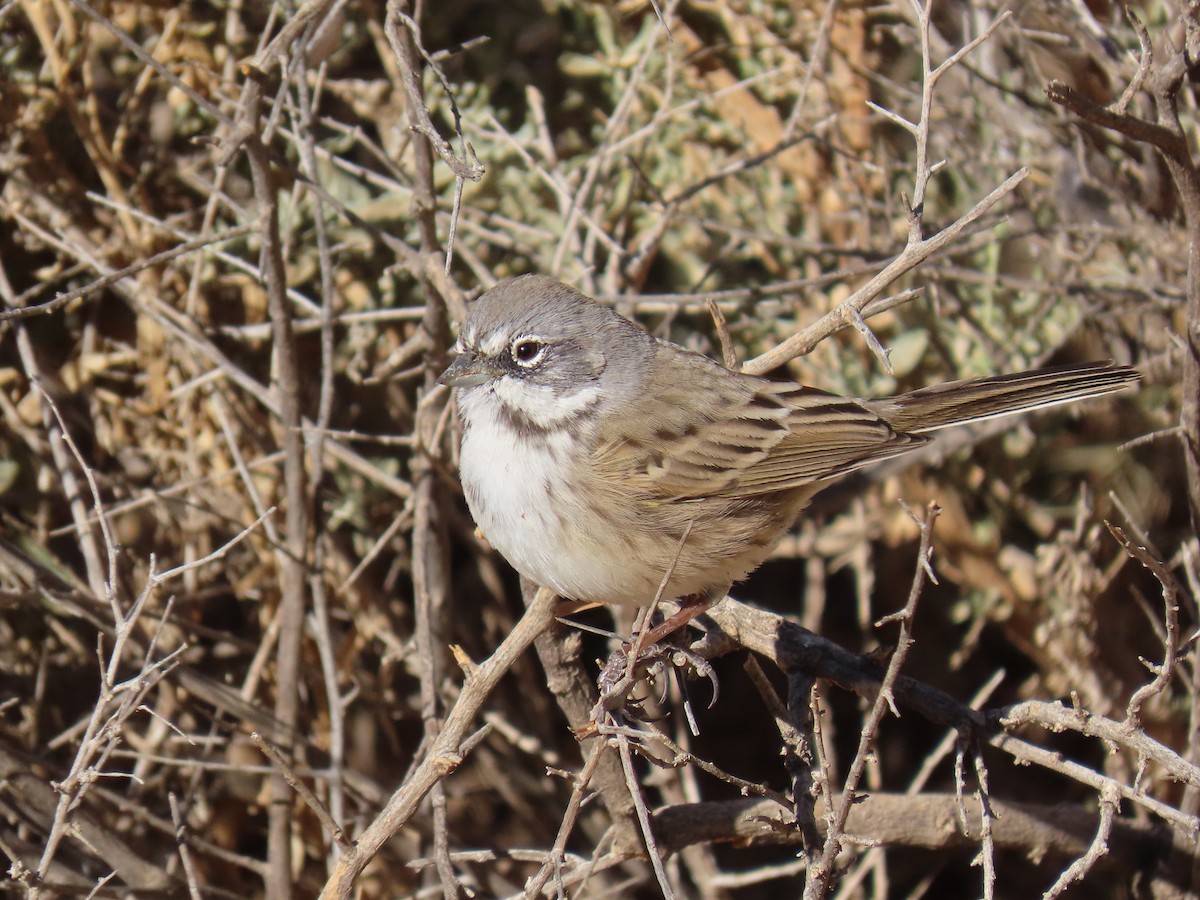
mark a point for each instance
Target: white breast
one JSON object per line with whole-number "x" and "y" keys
{"x": 516, "y": 488}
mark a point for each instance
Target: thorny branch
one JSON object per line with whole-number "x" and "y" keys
{"x": 293, "y": 558}
{"x": 445, "y": 754}
{"x": 821, "y": 874}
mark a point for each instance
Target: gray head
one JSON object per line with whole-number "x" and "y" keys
{"x": 546, "y": 351}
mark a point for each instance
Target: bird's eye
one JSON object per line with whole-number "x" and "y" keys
{"x": 526, "y": 351}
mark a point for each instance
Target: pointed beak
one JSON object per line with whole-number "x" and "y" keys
{"x": 469, "y": 369}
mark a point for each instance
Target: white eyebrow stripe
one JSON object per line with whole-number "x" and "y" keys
{"x": 494, "y": 343}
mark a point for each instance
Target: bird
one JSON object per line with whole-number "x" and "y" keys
{"x": 613, "y": 467}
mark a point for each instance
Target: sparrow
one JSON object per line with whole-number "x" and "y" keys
{"x": 613, "y": 467}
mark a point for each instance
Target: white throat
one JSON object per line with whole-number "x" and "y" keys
{"x": 543, "y": 405}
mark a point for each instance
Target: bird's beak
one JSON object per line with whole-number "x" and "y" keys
{"x": 470, "y": 369}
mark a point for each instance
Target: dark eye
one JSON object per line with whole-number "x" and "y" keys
{"x": 526, "y": 350}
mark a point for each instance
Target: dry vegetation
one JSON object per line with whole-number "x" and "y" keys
{"x": 232, "y": 544}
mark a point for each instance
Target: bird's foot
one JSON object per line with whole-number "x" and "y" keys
{"x": 636, "y": 662}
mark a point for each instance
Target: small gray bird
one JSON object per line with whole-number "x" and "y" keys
{"x": 595, "y": 456}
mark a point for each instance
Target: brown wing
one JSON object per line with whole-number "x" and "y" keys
{"x": 710, "y": 432}
{"x": 827, "y": 436}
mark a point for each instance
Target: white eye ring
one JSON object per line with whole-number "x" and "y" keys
{"x": 528, "y": 350}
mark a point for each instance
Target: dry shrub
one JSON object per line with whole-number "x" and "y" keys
{"x": 226, "y": 475}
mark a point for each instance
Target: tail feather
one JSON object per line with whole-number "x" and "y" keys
{"x": 960, "y": 402}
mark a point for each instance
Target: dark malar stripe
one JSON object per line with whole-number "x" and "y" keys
{"x": 527, "y": 429}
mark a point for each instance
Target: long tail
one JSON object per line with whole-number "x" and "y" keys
{"x": 959, "y": 402}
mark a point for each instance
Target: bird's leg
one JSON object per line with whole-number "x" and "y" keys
{"x": 689, "y": 608}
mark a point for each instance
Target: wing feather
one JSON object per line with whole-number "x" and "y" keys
{"x": 711, "y": 436}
